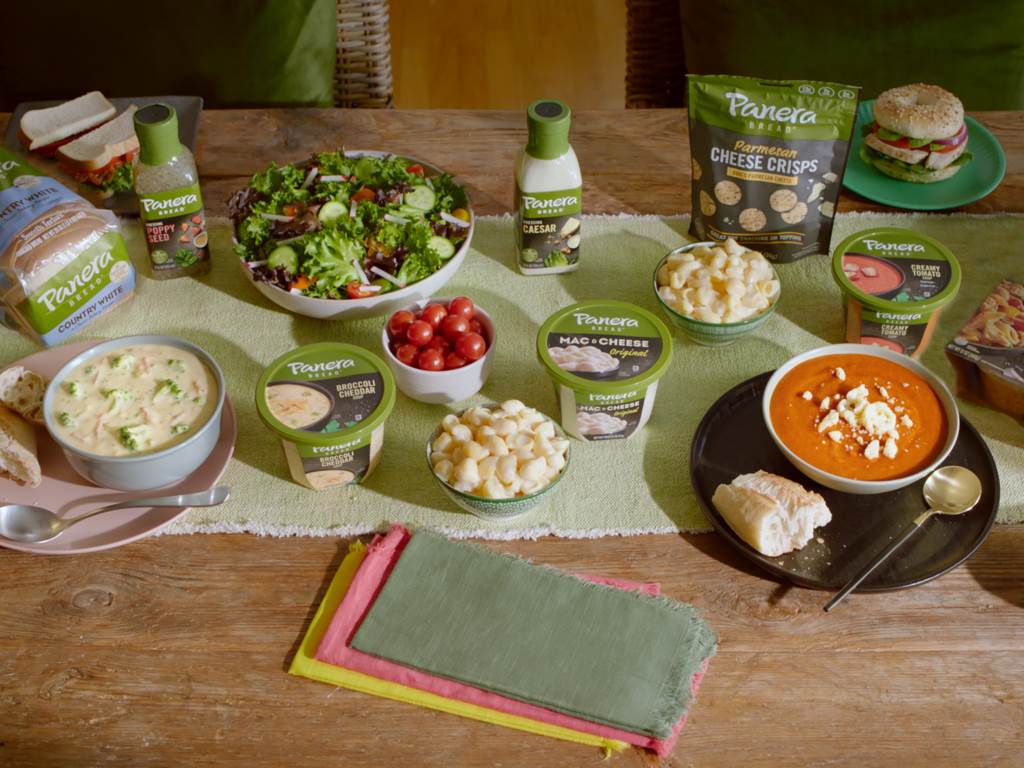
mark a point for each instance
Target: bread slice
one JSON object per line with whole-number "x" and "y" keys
{"x": 772, "y": 514}
{"x": 22, "y": 391}
{"x": 18, "y": 449}
{"x": 97, "y": 149}
{"x": 41, "y": 127}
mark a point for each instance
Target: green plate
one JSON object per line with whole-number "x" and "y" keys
{"x": 973, "y": 182}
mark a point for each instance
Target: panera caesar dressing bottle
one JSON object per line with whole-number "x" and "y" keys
{"x": 549, "y": 195}
{"x": 170, "y": 202}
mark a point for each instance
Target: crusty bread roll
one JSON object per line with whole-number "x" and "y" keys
{"x": 22, "y": 391}
{"x": 18, "y": 449}
{"x": 920, "y": 111}
{"x": 772, "y": 514}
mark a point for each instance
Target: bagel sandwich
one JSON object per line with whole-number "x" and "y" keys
{"x": 918, "y": 134}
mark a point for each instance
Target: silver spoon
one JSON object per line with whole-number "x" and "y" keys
{"x": 948, "y": 491}
{"x": 31, "y": 525}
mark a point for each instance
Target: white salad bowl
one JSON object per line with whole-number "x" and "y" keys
{"x": 846, "y": 484}
{"x": 442, "y": 387}
{"x": 375, "y": 306}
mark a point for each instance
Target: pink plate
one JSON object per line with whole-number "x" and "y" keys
{"x": 69, "y": 494}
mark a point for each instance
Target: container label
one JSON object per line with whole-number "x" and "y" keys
{"x": 900, "y": 333}
{"x": 605, "y": 416}
{"x": 548, "y": 229}
{"x": 604, "y": 345}
{"x": 325, "y": 466}
{"x": 176, "y": 230}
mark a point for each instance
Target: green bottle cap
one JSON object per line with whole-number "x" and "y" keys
{"x": 156, "y": 125}
{"x": 548, "y": 123}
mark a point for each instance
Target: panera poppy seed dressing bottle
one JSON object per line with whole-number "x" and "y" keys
{"x": 170, "y": 203}
{"x": 549, "y": 193}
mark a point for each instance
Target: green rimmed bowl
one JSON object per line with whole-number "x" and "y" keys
{"x": 710, "y": 334}
{"x": 498, "y": 509}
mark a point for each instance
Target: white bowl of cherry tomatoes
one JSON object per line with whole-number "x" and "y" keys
{"x": 440, "y": 350}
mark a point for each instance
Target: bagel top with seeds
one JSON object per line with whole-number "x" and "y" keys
{"x": 920, "y": 111}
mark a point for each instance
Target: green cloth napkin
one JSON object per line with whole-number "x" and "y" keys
{"x": 614, "y": 488}
{"x": 535, "y": 634}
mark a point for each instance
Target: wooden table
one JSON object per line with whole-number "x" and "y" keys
{"x": 173, "y": 651}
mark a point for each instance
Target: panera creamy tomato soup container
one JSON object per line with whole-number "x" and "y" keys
{"x": 605, "y": 359}
{"x": 894, "y": 284}
{"x": 328, "y": 403}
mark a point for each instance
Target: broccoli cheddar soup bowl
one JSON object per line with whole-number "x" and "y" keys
{"x": 138, "y": 412}
{"x": 860, "y": 419}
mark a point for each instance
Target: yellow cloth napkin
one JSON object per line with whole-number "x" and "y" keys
{"x": 305, "y": 665}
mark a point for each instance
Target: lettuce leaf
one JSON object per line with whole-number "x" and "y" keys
{"x": 330, "y": 258}
{"x": 417, "y": 266}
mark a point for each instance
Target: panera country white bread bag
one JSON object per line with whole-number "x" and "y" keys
{"x": 63, "y": 262}
{"x": 768, "y": 157}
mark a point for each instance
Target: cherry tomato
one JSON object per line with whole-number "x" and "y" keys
{"x": 430, "y": 360}
{"x": 461, "y": 213}
{"x": 416, "y": 168}
{"x": 399, "y": 322}
{"x": 419, "y": 333}
{"x": 476, "y": 327}
{"x": 363, "y": 194}
{"x": 454, "y": 326}
{"x": 454, "y": 360}
{"x": 433, "y": 314}
{"x": 407, "y": 353}
{"x": 439, "y": 342}
{"x": 471, "y": 346}
{"x": 462, "y": 305}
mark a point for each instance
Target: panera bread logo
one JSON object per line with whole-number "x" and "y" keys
{"x": 54, "y": 297}
{"x": 901, "y": 318}
{"x": 741, "y": 105}
{"x": 585, "y": 319}
{"x": 554, "y": 204}
{"x": 596, "y": 398}
{"x": 328, "y": 367}
{"x": 8, "y": 165}
{"x": 172, "y": 204}
{"x": 879, "y": 245}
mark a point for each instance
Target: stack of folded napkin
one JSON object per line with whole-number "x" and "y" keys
{"x": 458, "y": 628}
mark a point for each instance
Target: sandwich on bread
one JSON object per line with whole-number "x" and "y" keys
{"x": 103, "y": 157}
{"x": 44, "y": 130}
{"x": 772, "y": 514}
{"x": 919, "y": 134}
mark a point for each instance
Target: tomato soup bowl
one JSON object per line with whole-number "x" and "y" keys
{"x": 442, "y": 387}
{"x": 152, "y": 469}
{"x": 848, "y": 484}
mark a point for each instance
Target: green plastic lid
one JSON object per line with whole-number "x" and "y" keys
{"x": 896, "y": 270}
{"x": 548, "y": 123}
{"x": 635, "y": 338}
{"x": 156, "y": 125}
{"x": 351, "y": 392}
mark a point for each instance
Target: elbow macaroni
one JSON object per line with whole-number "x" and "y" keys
{"x": 500, "y": 452}
{"x": 724, "y": 284}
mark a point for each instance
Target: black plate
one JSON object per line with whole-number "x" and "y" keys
{"x": 189, "y": 109}
{"x": 732, "y": 439}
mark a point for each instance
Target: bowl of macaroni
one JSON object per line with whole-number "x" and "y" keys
{"x": 716, "y": 292}
{"x": 498, "y": 461}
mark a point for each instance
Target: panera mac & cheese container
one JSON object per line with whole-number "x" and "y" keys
{"x": 328, "y": 403}
{"x": 894, "y": 284}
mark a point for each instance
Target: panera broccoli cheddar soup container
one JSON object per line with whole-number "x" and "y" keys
{"x": 328, "y": 403}
{"x": 605, "y": 358}
{"x": 894, "y": 284}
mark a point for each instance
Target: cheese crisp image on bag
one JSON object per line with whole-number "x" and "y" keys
{"x": 63, "y": 263}
{"x": 768, "y": 158}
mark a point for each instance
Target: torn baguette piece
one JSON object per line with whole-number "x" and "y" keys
{"x": 772, "y": 514}
{"x": 18, "y": 449}
{"x": 22, "y": 391}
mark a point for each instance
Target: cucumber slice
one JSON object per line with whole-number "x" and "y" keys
{"x": 331, "y": 210}
{"x": 421, "y": 197}
{"x": 365, "y": 167}
{"x": 442, "y": 247}
{"x": 408, "y": 212}
{"x": 286, "y": 257}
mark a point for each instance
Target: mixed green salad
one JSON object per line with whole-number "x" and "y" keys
{"x": 337, "y": 227}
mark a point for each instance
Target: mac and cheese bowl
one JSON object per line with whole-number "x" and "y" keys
{"x": 498, "y": 461}
{"x": 716, "y": 292}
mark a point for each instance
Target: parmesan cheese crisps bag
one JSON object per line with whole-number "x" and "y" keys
{"x": 63, "y": 263}
{"x": 767, "y": 158}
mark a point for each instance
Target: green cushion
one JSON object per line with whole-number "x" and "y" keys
{"x": 974, "y": 49}
{"x": 242, "y": 53}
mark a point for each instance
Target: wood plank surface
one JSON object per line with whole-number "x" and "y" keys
{"x": 172, "y": 651}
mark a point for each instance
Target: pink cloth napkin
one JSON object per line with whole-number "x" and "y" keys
{"x": 381, "y": 557}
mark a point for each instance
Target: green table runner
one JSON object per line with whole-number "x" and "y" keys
{"x": 538, "y": 635}
{"x": 632, "y": 487}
